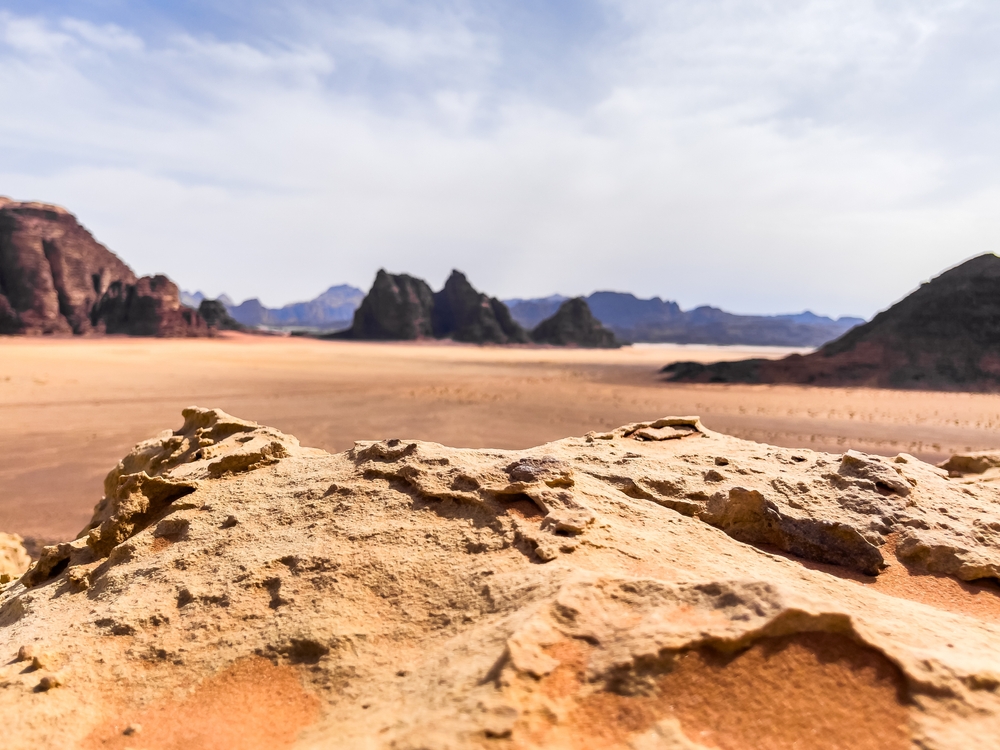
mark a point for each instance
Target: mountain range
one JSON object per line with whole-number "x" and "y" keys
{"x": 332, "y": 310}
{"x": 657, "y": 320}
{"x": 627, "y": 316}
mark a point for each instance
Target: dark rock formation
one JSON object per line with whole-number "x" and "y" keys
{"x": 52, "y": 271}
{"x": 398, "y": 307}
{"x": 56, "y": 278}
{"x": 401, "y": 307}
{"x": 217, "y": 316}
{"x": 149, "y": 307}
{"x": 464, "y": 314}
{"x": 574, "y": 325}
{"x": 943, "y": 336}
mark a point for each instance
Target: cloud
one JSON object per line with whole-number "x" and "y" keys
{"x": 765, "y": 157}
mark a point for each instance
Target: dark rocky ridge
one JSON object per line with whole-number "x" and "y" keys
{"x": 55, "y": 278}
{"x": 574, "y": 325}
{"x": 943, "y": 336}
{"x": 398, "y": 308}
{"x": 463, "y": 313}
{"x": 403, "y": 308}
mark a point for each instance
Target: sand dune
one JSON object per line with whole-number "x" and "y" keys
{"x": 69, "y": 409}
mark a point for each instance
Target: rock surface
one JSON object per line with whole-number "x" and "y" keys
{"x": 656, "y": 586}
{"x": 945, "y": 335}
{"x": 56, "y": 278}
{"x": 574, "y": 325}
{"x": 14, "y": 558}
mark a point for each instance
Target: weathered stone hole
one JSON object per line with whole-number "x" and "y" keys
{"x": 522, "y": 506}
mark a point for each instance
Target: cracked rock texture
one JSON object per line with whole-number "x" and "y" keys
{"x": 656, "y": 586}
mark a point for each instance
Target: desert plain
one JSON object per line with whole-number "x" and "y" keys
{"x": 70, "y": 408}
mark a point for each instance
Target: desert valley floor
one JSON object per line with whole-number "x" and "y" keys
{"x": 69, "y": 409}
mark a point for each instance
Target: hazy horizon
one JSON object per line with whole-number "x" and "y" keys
{"x": 762, "y": 158}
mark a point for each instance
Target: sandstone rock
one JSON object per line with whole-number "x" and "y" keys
{"x": 52, "y": 271}
{"x": 945, "y": 335}
{"x": 464, "y": 314}
{"x": 654, "y": 586}
{"x": 398, "y": 307}
{"x": 573, "y": 325}
{"x": 56, "y": 278}
{"x": 149, "y": 307}
{"x": 14, "y": 558}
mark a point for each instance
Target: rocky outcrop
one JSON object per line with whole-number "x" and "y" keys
{"x": 657, "y": 585}
{"x": 56, "y": 278}
{"x": 398, "y": 307}
{"x": 403, "y": 308}
{"x": 52, "y": 271}
{"x": 14, "y": 558}
{"x": 462, "y": 313}
{"x": 573, "y": 325}
{"x": 149, "y": 307}
{"x": 216, "y": 315}
{"x": 944, "y": 336}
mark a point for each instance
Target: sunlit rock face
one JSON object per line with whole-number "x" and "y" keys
{"x": 656, "y": 586}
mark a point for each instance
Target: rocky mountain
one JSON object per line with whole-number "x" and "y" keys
{"x": 331, "y": 310}
{"x": 655, "y": 586}
{"x": 462, "y": 313}
{"x": 945, "y": 335}
{"x": 656, "y": 320}
{"x": 401, "y": 307}
{"x": 56, "y": 278}
{"x": 574, "y": 325}
{"x": 398, "y": 307}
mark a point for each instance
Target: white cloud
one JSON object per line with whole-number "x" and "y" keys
{"x": 765, "y": 157}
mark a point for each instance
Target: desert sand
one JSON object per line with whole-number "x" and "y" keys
{"x": 657, "y": 586}
{"x": 70, "y": 408}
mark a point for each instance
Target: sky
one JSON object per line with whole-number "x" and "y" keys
{"x": 760, "y": 156}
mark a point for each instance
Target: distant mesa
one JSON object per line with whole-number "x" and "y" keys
{"x": 574, "y": 325}
{"x": 943, "y": 336}
{"x": 662, "y": 321}
{"x": 55, "y": 278}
